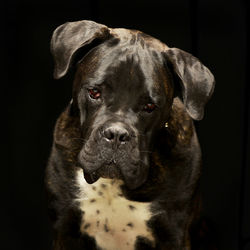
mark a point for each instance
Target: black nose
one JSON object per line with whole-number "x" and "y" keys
{"x": 116, "y": 134}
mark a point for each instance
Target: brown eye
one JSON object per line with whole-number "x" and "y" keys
{"x": 94, "y": 93}
{"x": 149, "y": 107}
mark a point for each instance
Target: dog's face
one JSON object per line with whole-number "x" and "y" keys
{"x": 123, "y": 100}
{"x": 123, "y": 91}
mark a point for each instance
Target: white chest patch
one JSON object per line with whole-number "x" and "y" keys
{"x": 111, "y": 219}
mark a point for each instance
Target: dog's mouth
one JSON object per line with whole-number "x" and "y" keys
{"x": 109, "y": 171}
{"x": 116, "y": 166}
{"x": 132, "y": 178}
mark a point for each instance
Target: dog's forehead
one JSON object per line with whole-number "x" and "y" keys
{"x": 133, "y": 36}
{"x": 130, "y": 58}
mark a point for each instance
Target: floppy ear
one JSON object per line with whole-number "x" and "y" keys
{"x": 197, "y": 82}
{"x": 70, "y": 37}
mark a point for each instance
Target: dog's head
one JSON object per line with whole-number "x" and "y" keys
{"x": 123, "y": 93}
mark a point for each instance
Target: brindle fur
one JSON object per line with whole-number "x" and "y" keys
{"x": 173, "y": 175}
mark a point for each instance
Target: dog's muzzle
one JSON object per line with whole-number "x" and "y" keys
{"x": 113, "y": 153}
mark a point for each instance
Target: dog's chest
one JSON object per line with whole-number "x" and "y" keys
{"x": 107, "y": 216}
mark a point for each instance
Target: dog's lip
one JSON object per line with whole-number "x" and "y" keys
{"x": 109, "y": 171}
{"x": 91, "y": 177}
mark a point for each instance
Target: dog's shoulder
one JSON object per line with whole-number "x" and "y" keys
{"x": 61, "y": 167}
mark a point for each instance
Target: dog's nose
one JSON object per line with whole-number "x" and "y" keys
{"x": 116, "y": 134}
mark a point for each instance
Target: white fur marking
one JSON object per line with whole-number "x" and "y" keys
{"x": 112, "y": 220}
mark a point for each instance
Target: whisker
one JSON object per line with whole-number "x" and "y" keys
{"x": 146, "y": 152}
{"x": 141, "y": 161}
{"x": 80, "y": 139}
{"x": 141, "y": 134}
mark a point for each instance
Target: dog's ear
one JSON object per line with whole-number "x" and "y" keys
{"x": 68, "y": 38}
{"x": 196, "y": 81}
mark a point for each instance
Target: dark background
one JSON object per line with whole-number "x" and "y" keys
{"x": 214, "y": 31}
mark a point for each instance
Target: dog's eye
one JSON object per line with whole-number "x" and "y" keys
{"x": 149, "y": 107}
{"x": 94, "y": 93}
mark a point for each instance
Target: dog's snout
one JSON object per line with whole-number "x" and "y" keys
{"x": 116, "y": 134}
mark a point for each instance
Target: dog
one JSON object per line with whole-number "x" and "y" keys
{"x": 125, "y": 164}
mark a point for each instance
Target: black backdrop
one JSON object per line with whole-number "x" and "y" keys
{"x": 215, "y": 31}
